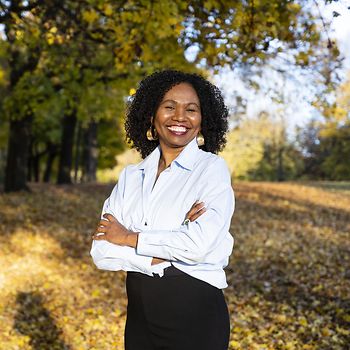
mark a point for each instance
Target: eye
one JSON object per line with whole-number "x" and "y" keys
{"x": 191, "y": 110}
{"x": 169, "y": 107}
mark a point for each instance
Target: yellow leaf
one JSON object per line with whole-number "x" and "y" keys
{"x": 346, "y": 318}
{"x": 234, "y": 344}
{"x": 290, "y": 345}
{"x": 50, "y": 39}
{"x": 19, "y": 34}
{"x": 108, "y": 10}
{"x": 90, "y": 16}
{"x": 95, "y": 293}
{"x": 281, "y": 318}
{"x": 325, "y": 332}
{"x": 303, "y": 321}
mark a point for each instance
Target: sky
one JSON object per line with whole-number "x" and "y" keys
{"x": 340, "y": 26}
{"x": 297, "y": 91}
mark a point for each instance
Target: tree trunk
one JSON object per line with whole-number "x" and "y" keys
{"x": 17, "y": 157}
{"x": 2, "y": 165}
{"x": 20, "y": 128}
{"x": 66, "y": 151}
{"x": 36, "y": 164}
{"x": 280, "y": 170}
{"x": 52, "y": 151}
{"x": 77, "y": 154}
{"x": 30, "y": 162}
{"x": 90, "y": 153}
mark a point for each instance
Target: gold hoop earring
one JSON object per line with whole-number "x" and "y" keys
{"x": 200, "y": 139}
{"x": 152, "y": 134}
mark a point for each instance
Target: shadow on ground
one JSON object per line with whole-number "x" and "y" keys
{"x": 34, "y": 320}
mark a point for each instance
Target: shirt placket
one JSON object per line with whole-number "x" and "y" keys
{"x": 151, "y": 193}
{"x": 148, "y": 180}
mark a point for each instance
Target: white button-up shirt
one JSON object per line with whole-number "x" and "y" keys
{"x": 157, "y": 211}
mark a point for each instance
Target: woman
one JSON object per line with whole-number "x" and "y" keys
{"x": 167, "y": 220}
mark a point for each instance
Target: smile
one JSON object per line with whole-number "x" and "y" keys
{"x": 179, "y": 130}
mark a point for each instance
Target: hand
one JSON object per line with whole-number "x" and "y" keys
{"x": 196, "y": 211}
{"x": 111, "y": 230}
{"x": 156, "y": 261}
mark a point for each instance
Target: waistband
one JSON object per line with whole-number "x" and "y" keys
{"x": 172, "y": 271}
{"x": 168, "y": 271}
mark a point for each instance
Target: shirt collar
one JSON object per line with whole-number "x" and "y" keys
{"x": 185, "y": 159}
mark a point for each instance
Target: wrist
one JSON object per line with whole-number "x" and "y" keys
{"x": 131, "y": 239}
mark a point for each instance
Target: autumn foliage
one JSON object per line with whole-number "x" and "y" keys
{"x": 288, "y": 276}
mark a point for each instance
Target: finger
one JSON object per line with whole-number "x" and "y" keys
{"x": 103, "y": 223}
{"x": 197, "y": 214}
{"x": 109, "y": 217}
{"x": 195, "y": 207}
{"x": 101, "y": 229}
{"x": 195, "y": 203}
{"x": 199, "y": 205}
{"x": 99, "y": 237}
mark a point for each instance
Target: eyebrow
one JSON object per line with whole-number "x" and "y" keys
{"x": 189, "y": 103}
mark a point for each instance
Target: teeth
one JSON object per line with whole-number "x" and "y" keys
{"x": 177, "y": 128}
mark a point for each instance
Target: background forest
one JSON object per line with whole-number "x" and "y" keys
{"x": 67, "y": 70}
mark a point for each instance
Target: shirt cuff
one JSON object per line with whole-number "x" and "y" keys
{"x": 142, "y": 264}
{"x": 149, "y": 244}
{"x": 108, "y": 256}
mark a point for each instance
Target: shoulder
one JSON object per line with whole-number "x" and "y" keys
{"x": 211, "y": 161}
{"x": 126, "y": 173}
{"x": 213, "y": 166}
{"x": 124, "y": 179}
{"x": 130, "y": 169}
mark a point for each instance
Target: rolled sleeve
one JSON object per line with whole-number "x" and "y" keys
{"x": 109, "y": 256}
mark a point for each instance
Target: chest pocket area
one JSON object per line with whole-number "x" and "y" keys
{"x": 170, "y": 209}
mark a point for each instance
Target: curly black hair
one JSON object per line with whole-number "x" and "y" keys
{"x": 144, "y": 104}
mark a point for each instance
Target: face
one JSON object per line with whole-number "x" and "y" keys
{"x": 178, "y": 118}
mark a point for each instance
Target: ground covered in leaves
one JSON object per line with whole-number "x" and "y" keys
{"x": 289, "y": 276}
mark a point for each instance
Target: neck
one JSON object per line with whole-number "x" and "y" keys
{"x": 168, "y": 155}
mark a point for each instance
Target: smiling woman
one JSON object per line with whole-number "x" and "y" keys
{"x": 151, "y": 93}
{"x": 178, "y": 118}
{"x": 166, "y": 221}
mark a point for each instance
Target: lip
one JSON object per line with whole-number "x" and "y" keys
{"x": 181, "y": 129}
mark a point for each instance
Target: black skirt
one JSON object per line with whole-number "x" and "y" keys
{"x": 175, "y": 312}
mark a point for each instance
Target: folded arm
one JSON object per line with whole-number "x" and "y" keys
{"x": 193, "y": 242}
{"x": 113, "y": 246}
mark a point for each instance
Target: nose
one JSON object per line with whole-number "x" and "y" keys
{"x": 179, "y": 114}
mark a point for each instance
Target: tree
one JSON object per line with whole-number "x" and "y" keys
{"x": 313, "y": 155}
{"x": 245, "y": 145}
{"x": 23, "y": 57}
{"x": 325, "y": 143}
{"x": 79, "y": 45}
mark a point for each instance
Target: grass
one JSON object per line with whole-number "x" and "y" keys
{"x": 288, "y": 277}
{"x": 333, "y": 186}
